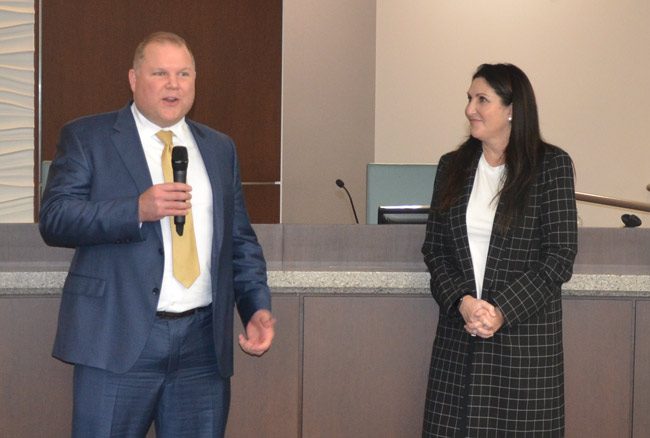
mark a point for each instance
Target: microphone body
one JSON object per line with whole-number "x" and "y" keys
{"x": 179, "y": 169}
{"x": 341, "y": 184}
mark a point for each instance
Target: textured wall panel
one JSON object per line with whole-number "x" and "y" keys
{"x": 17, "y": 111}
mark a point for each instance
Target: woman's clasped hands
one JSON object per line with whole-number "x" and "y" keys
{"x": 482, "y": 319}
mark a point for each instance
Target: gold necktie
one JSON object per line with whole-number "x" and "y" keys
{"x": 184, "y": 254}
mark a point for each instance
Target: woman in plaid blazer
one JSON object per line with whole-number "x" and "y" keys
{"x": 500, "y": 241}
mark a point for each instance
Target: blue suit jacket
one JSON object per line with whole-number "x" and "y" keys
{"x": 111, "y": 292}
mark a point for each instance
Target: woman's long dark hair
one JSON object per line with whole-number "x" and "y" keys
{"x": 523, "y": 153}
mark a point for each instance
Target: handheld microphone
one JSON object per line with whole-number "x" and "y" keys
{"x": 179, "y": 167}
{"x": 341, "y": 184}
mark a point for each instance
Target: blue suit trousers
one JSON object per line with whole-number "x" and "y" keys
{"x": 175, "y": 384}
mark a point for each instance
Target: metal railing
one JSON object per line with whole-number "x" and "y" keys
{"x": 612, "y": 202}
{"x": 580, "y": 196}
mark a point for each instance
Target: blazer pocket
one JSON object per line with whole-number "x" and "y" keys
{"x": 82, "y": 285}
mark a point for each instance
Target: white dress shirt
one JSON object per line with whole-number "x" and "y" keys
{"x": 174, "y": 297}
{"x": 481, "y": 210}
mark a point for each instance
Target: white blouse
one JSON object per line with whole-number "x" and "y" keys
{"x": 481, "y": 210}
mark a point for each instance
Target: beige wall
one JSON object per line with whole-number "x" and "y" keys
{"x": 385, "y": 80}
{"x": 327, "y": 108}
{"x": 588, "y": 62}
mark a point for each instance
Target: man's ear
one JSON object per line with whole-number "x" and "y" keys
{"x": 132, "y": 79}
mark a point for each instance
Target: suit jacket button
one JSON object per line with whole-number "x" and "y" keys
{"x": 161, "y": 251}
{"x": 155, "y": 291}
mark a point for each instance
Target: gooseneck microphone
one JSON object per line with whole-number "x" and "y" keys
{"x": 341, "y": 184}
{"x": 179, "y": 167}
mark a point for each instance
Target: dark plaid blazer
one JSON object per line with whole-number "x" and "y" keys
{"x": 512, "y": 384}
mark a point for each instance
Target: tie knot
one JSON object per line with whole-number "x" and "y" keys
{"x": 165, "y": 137}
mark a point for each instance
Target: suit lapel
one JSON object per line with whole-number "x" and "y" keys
{"x": 213, "y": 167}
{"x": 458, "y": 218}
{"x": 126, "y": 140}
{"x": 497, "y": 243}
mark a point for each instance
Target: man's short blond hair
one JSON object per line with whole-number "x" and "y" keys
{"x": 160, "y": 38}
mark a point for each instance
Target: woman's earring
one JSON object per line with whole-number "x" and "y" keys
{"x": 510, "y": 118}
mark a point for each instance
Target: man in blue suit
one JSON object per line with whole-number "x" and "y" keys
{"x": 148, "y": 346}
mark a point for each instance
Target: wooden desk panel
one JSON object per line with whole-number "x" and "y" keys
{"x": 366, "y": 361}
{"x": 598, "y": 358}
{"x": 642, "y": 370}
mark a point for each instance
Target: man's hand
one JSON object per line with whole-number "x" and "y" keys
{"x": 259, "y": 333}
{"x": 167, "y": 199}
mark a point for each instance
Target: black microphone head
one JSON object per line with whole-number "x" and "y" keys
{"x": 179, "y": 158}
{"x": 340, "y": 183}
{"x": 631, "y": 220}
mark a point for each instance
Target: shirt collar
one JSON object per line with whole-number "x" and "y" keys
{"x": 147, "y": 128}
